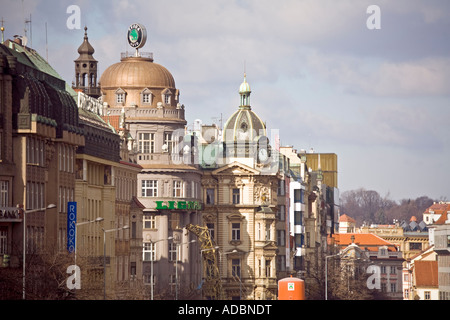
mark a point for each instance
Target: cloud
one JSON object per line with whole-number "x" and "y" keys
{"x": 425, "y": 77}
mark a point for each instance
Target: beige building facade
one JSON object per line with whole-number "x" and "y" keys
{"x": 141, "y": 95}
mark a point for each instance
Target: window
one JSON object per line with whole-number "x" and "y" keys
{"x": 393, "y": 287}
{"x": 235, "y": 231}
{"x": 281, "y": 187}
{"x": 281, "y": 237}
{"x": 393, "y": 270}
{"x": 149, "y": 221}
{"x": 177, "y": 189}
{"x": 3, "y": 240}
{"x": 282, "y": 213}
{"x": 415, "y": 246}
{"x": 281, "y": 263}
{"x": 174, "y": 220}
{"x": 146, "y": 98}
{"x": 268, "y": 268}
{"x": 298, "y": 196}
{"x": 120, "y": 97}
{"x": 236, "y": 196}
{"x": 149, "y": 251}
{"x": 146, "y": 142}
{"x": 298, "y": 215}
{"x": 268, "y": 232}
{"x": 210, "y": 227}
{"x": 149, "y": 188}
{"x": 4, "y": 193}
{"x": 167, "y": 98}
{"x": 172, "y": 251}
{"x": 236, "y": 268}
{"x": 427, "y": 295}
{"x": 168, "y": 141}
{"x": 210, "y": 196}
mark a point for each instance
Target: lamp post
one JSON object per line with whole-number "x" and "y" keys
{"x": 326, "y": 273}
{"x": 176, "y": 266}
{"x": 25, "y": 212}
{"x": 104, "y": 256}
{"x": 151, "y": 259}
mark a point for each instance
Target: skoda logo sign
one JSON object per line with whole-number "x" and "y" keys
{"x": 137, "y": 35}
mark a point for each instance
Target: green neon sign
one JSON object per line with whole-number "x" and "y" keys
{"x": 178, "y": 205}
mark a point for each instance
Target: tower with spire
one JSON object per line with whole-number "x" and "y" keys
{"x": 86, "y": 69}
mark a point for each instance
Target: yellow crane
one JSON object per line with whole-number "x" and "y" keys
{"x": 212, "y": 287}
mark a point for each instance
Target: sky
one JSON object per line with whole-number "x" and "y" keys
{"x": 332, "y": 76}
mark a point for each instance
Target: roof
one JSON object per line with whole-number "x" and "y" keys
{"x": 426, "y": 273}
{"x": 440, "y": 208}
{"x": 137, "y": 72}
{"x": 346, "y": 218}
{"x": 368, "y": 241}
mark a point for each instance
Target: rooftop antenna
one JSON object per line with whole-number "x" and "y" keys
{"x": 46, "y": 42}
{"x": 31, "y": 33}
{"x": 24, "y": 42}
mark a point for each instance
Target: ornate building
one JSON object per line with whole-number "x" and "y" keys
{"x": 106, "y": 173}
{"x": 240, "y": 195}
{"x": 39, "y": 134}
{"x": 144, "y": 92}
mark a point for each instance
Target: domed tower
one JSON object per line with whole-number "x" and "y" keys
{"x": 244, "y": 133}
{"x": 244, "y": 125}
{"x": 86, "y": 69}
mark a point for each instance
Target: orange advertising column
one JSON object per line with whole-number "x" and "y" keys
{"x": 291, "y": 289}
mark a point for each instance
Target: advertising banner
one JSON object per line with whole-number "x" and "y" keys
{"x": 71, "y": 225}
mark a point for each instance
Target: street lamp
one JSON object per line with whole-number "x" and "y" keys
{"x": 104, "y": 256}
{"x": 326, "y": 273}
{"x": 25, "y": 212}
{"x": 151, "y": 259}
{"x": 176, "y": 266}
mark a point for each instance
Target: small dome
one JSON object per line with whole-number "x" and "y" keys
{"x": 245, "y": 87}
{"x": 137, "y": 72}
{"x": 244, "y": 125}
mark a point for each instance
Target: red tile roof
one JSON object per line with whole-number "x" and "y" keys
{"x": 426, "y": 273}
{"x": 439, "y": 208}
{"x": 364, "y": 240}
{"x": 346, "y": 218}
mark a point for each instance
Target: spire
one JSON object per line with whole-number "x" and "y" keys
{"x": 86, "y": 47}
{"x": 244, "y": 91}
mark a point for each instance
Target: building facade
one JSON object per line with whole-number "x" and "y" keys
{"x": 145, "y": 93}
{"x": 240, "y": 190}
{"x": 39, "y": 136}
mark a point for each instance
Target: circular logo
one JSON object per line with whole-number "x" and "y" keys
{"x": 137, "y": 35}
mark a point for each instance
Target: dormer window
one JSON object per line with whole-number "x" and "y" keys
{"x": 120, "y": 97}
{"x": 146, "y": 97}
{"x": 167, "y": 97}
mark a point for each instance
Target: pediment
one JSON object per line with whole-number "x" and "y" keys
{"x": 235, "y": 169}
